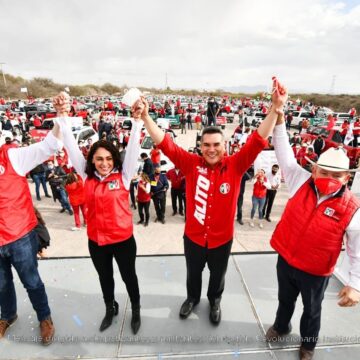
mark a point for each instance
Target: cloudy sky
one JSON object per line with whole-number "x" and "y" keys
{"x": 311, "y": 45}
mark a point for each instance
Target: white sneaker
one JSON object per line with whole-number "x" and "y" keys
{"x": 75, "y": 228}
{"x": 251, "y": 224}
{"x": 261, "y": 225}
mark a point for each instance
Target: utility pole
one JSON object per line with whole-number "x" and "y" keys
{"x": 1, "y": 64}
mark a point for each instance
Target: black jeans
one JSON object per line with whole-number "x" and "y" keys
{"x": 144, "y": 207}
{"x": 124, "y": 253}
{"x": 270, "y": 196}
{"x": 293, "y": 282}
{"x": 217, "y": 260}
{"x": 177, "y": 196}
{"x": 159, "y": 200}
{"x": 240, "y": 200}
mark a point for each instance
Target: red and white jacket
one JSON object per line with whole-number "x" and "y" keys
{"x": 211, "y": 193}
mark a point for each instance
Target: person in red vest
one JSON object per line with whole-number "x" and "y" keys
{"x": 344, "y": 129}
{"x": 155, "y": 155}
{"x": 109, "y": 219}
{"x": 356, "y": 131}
{"x": 74, "y": 186}
{"x": 18, "y": 240}
{"x": 197, "y": 121}
{"x": 309, "y": 238}
{"x": 144, "y": 199}
{"x": 261, "y": 184}
{"x": 176, "y": 178}
{"x": 212, "y": 187}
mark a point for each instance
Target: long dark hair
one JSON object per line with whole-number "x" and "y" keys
{"x": 90, "y": 167}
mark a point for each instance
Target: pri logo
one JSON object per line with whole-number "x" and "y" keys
{"x": 114, "y": 185}
{"x": 2, "y": 170}
{"x": 329, "y": 212}
{"x": 224, "y": 188}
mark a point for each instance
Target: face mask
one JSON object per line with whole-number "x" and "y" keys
{"x": 328, "y": 186}
{"x": 274, "y": 172}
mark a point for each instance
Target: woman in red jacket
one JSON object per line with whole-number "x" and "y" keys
{"x": 259, "y": 196}
{"x": 109, "y": 218}
{"x": 75, "y": 188}
{"x": 144, "y": 199}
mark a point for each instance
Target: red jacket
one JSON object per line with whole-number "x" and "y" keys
{"x": 259, "y": 189}
{"x": 76, "y": 192}
{"x": 211, "y": 193}
{"x": 176, "y": 179}
{"x": 109, "y": 217}
{"x": 309, "y": 236}
{"x": 155, "y": 156}
{"x": 142, "y": 195}
{"x": 17, "y": 216}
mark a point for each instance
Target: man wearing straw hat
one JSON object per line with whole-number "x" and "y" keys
{"x": 309, "y": 237}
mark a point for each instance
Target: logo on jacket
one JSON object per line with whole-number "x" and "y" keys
{"x": 114, "y": 185}
{"x": 224, "y": 188}
{"x": 329, "y": 212}
{"x": 202, "y": 170}
{"x": 2, "y": 170}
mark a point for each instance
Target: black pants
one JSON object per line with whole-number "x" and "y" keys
{"x": 240, "y": 200}
{"x": 217, "y": 260}
{"x": 270, "y": 196}
{"x": 133, "y": 186}
{"x": 124, "y": 253}
{"x": 293, "y": 282}
{"x": 177, "y": 196}
{"x": 159, "y": 200}
{"x": 144, "y": 207}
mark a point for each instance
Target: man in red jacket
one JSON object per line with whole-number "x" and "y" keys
{"x": 176, "y": 178}
{"x": 309, "y": 236}
{"x": 18, "y": 240}
{"x": 212, "y": 187}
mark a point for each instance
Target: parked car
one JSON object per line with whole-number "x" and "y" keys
{"x": 254, "y": 119}
{"x": 299, "y": 116}
{"x": 84, "y": 133}
{"x": 333, "y": 139}
{"x": 39, "y": 109}
{"x": 146, "y": 146}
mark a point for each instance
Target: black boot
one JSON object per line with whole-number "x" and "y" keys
{"x": 112, "y": 309}
{"x": 135, "y": 318}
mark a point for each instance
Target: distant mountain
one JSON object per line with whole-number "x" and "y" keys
{"x": 244, "y": 89}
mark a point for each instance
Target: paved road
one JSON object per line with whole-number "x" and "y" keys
{"x": 158, "y": 238}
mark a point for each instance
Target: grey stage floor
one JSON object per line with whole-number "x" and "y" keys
{"x": 248, "y": 308}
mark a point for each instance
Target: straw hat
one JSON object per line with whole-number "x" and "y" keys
{"x": 333, "y": 159}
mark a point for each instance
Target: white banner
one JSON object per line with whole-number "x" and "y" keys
{"x": 23, "y": 90}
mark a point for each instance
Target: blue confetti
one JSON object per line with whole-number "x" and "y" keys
{"x": 77, "y": 320}
{"x": 236, "y": 354}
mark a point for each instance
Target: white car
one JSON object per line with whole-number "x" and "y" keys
{"x": 147, "y": 145}
{"x": 299, "y": 116}
{"x": 84, "y": 133}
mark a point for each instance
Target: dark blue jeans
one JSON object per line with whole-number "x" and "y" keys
{"x": 40, "y": 178}
{"x": 64, "y": 199}
{"x": 21, "y": 254}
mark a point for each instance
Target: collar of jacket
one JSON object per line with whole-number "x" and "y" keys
{"x": 107, "y": 177}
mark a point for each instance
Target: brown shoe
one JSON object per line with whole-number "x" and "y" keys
{"x": 5, "y": 324}
{"x": 273, "y": 335}
{"x": 47, "y": 331}
{"x": 305, "y": 354}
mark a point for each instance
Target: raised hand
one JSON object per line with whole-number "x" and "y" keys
{"x": 279, "y": 96}
{"x": 138, "y": 108}
{"x": 61, "y": 104}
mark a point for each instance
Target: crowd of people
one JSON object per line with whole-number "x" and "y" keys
{"x": 102, "y": 181}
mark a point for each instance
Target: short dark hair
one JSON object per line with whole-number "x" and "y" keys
{"x": 144, "y": 155}
{"x": 211, "y": 130}
{"x": 90, "y": 167}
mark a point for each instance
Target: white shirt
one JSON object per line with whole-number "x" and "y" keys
{"x": 274, "y": 180}
{"x": 129, "y": 166}
{"x": 295, "y": 176}
{"x": 26, "y": 158}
